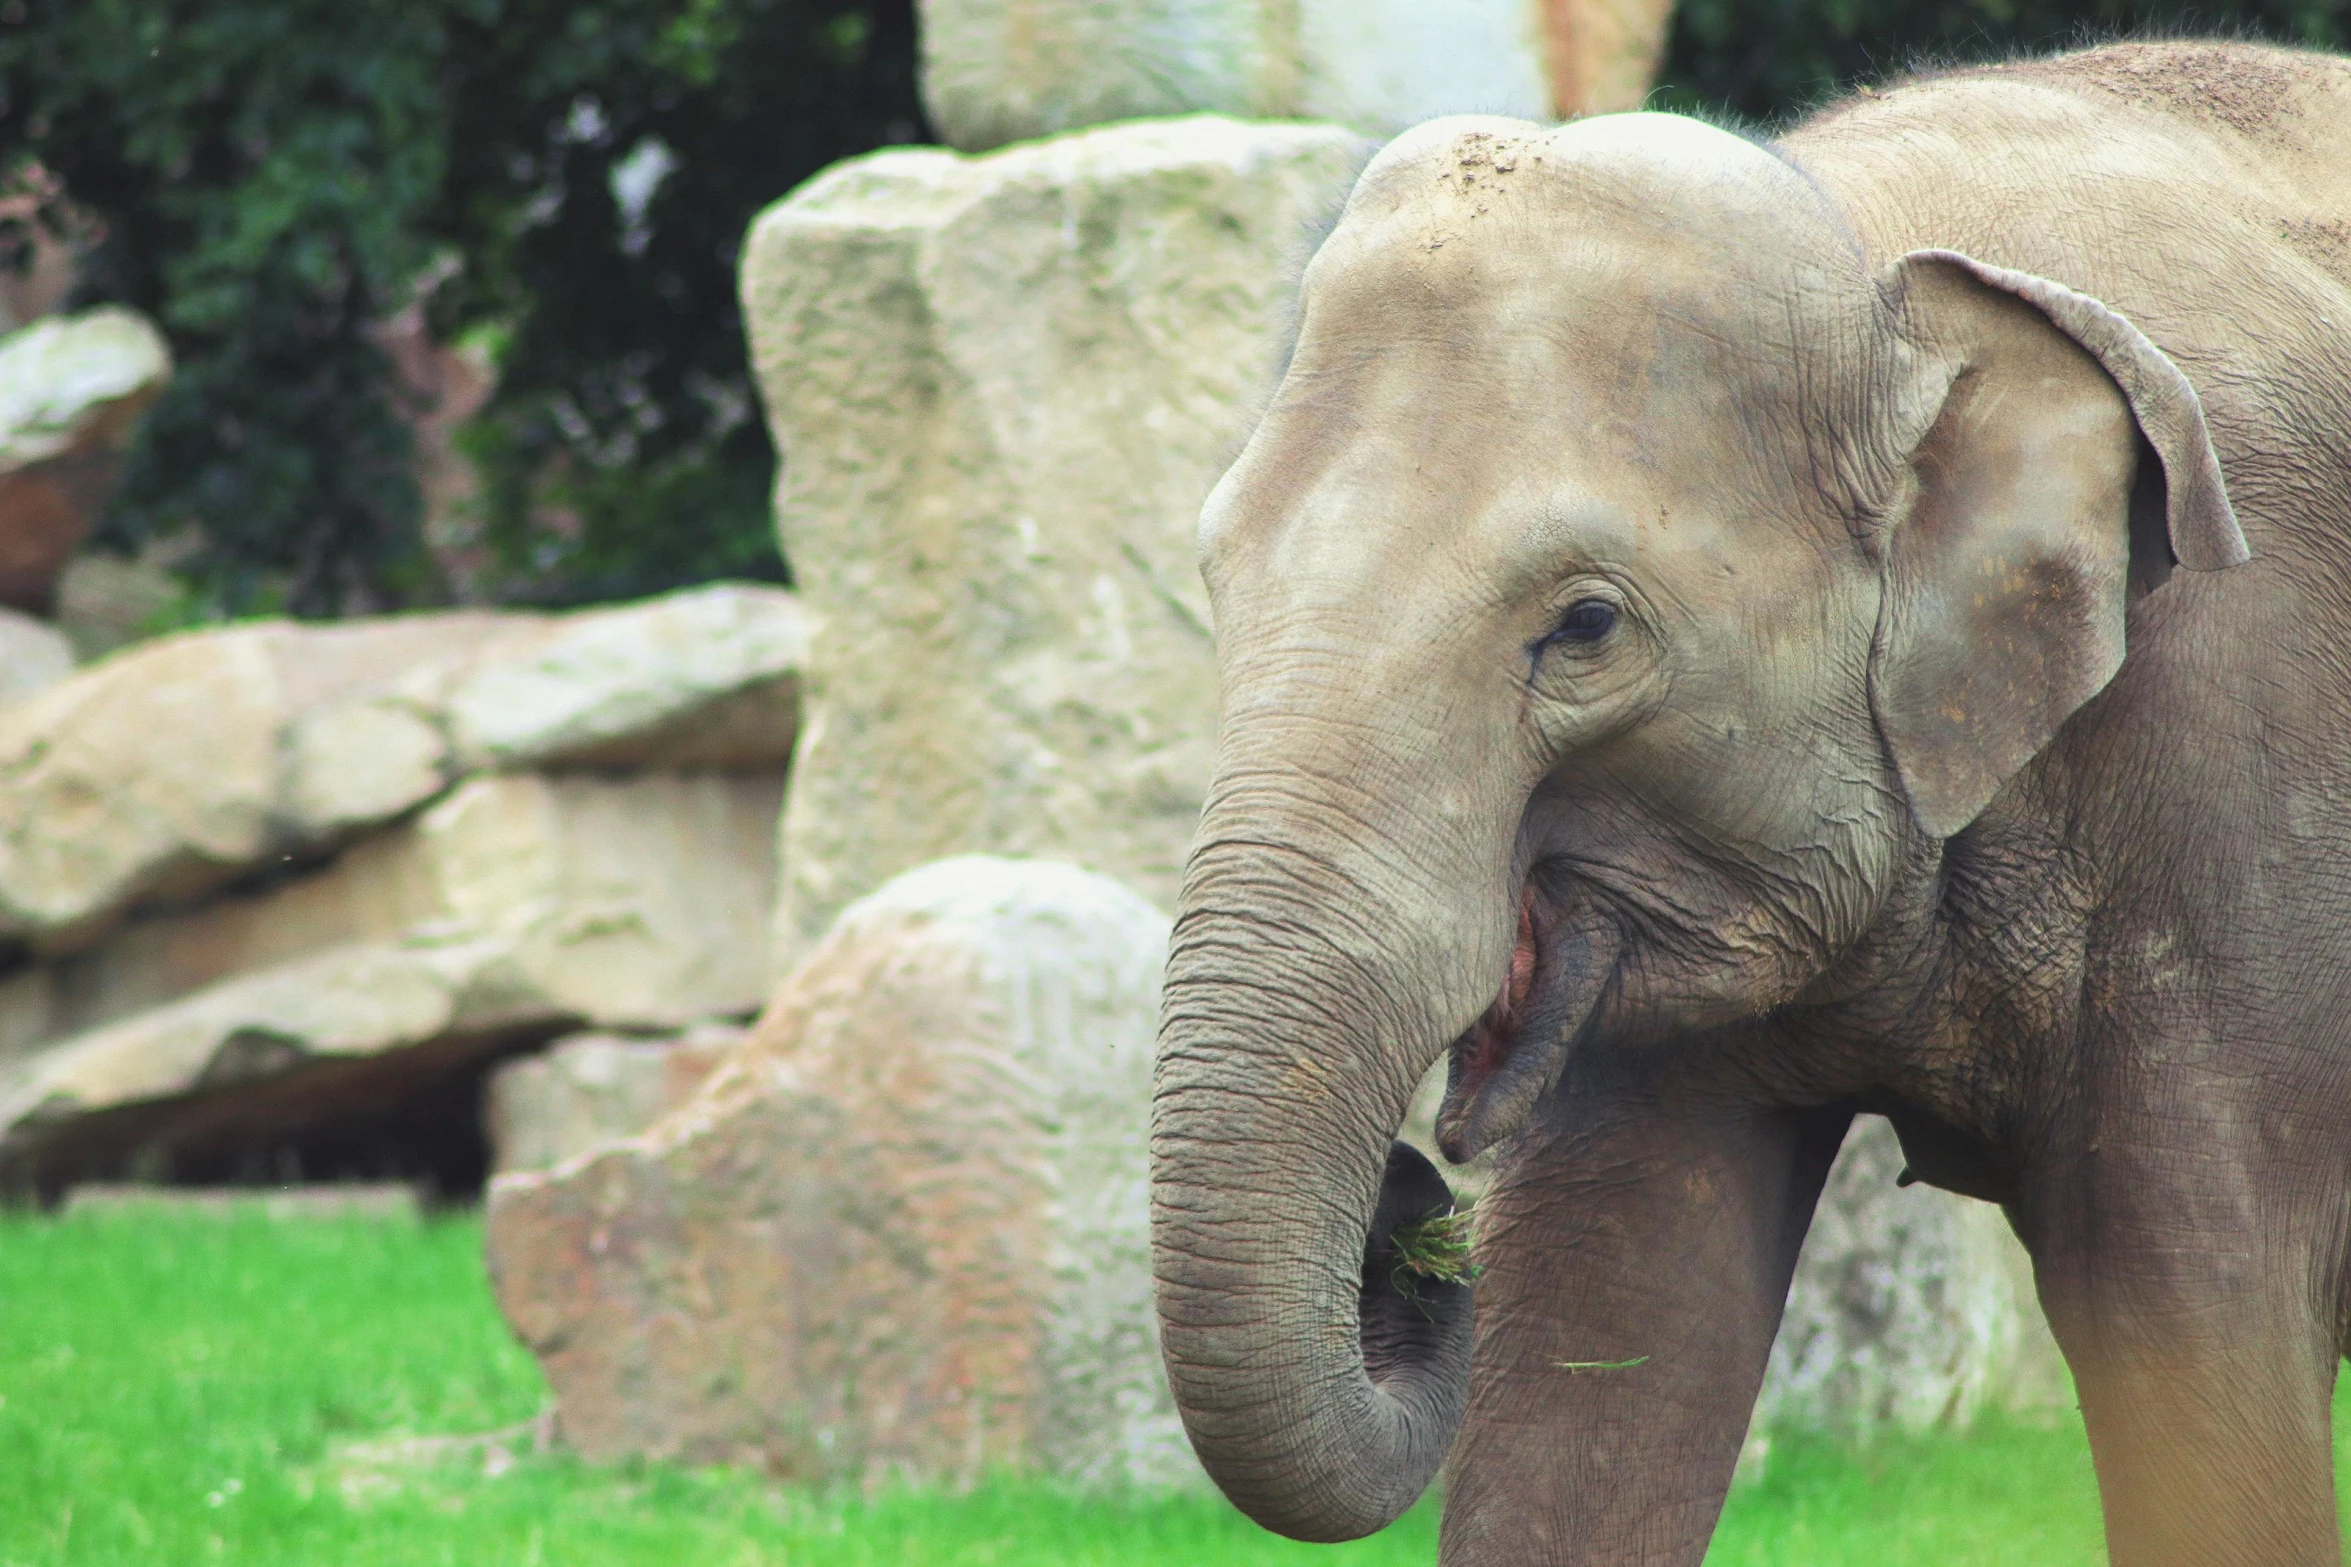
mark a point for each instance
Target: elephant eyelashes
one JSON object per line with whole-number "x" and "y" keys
{"x": 1586, "y": 620}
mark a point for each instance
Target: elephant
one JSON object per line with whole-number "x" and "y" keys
{"x": 1718, "y": 636}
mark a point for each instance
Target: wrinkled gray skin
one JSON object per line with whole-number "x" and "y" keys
{"x": 1947, "y": 758}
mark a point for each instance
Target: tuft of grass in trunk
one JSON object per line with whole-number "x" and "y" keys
{"x": 1437, "y": 1247}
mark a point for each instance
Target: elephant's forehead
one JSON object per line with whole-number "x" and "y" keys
{"x": 1458, "y": 205}
{"x": 1555, "y": 377}
{"x": 1592, "y": 394}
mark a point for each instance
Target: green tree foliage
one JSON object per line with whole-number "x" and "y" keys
{"x": 274, "y": 179}
{"x": 1766, "y": 60}
{"x": 605, "y": 160}
{"x": 258, "y": 170}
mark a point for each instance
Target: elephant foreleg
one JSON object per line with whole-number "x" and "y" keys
{"x": 1637, "y": 1257}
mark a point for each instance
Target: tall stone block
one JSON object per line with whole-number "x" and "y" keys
{"x": 1603, "y": 54}
{"x": 1002, "y": 387}
{"x": 997, "y": 71}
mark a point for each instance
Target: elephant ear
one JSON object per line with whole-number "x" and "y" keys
{"x": 2007, "y": 578}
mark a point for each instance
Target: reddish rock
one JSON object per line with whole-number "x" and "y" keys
{"x": 902, "y": 1232}
{"x": 589, "y": 1090}
{"x": 71, "y": 392}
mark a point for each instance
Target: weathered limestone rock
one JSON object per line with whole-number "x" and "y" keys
{"x": 902, "y": 1231}
{"x": 702, "y": 678}
{"x": 634, "y": 903}
{"x": 154, "y": 774}
{"x": 1003, "y": 386}
{"x": 1603, "y": 54}
{"x": 259, "y": 1050}
{"x": 71, "y": 391}
{"x": 33, "y": 657}
{"x": 998, "y": 71}
{"x": 179, "y": 764}
{"x": 588, "y": 1090}
{"x": 519, "y": 905}
{"x": 629, "y": 902}
{"x": 706, "y": 677}
{"x": 1911, "y": 1308}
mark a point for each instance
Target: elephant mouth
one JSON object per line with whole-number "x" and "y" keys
{"x": 1513, "y": 1054}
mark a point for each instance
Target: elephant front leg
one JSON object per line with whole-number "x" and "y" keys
{"x": 1636, "y": 1260}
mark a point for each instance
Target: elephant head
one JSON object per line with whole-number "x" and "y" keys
{"x": 1628, "y": 588}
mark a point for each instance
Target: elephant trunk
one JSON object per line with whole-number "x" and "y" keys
{"x": 1320, "y": 1377}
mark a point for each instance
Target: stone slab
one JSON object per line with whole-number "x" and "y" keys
{"x": 1003, "y": 387}
{"x": 999, "y": 71}
{"x": 175, "y": 766}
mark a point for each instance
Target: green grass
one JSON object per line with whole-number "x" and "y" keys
{"x": 180, "y": 1392}
{"x": 192, "y": 1391}
{"x": 2003, "y": 1495}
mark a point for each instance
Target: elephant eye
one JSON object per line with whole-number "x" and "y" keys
{"x": 1586, "y": 620}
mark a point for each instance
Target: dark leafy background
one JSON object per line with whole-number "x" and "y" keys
{"x": 1764, "y": 60}
{"x": 273, "y": 178}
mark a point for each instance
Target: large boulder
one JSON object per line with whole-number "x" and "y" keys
{"x": 703, "y": 678}
{"x": 587, "y": 1090}
{"x": 998, "y": 71}
{"x": 254, "y": 1059}
{"x": 177, "y": 765}
{"x": 628, "y": 901}
{"x": 1911, "y": 1308}
{"x": 516, "y": 907}
{"x": 902, "y": 1233}
{"x": 1002, "y": 387}
{"x": 155, "y": 774}
{"x": 71, "y": 392}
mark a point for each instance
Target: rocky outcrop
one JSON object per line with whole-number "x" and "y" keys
{"x": 589, "y": 1090}
{"x": 901, "y": 1233}
{"x": 998, "y": 71}
{"x": 71, "y": 392}
{"x": 518, "y": 906}
{"x": 347, "y": 1003}
{"x": 705, "y": 678}
{"x": 155, "y": 774}
{"x": 184, "y": 763}
{"x": 1002, "y": 387}
{"x": 1911, "y": 1308}
{"x": 275, "y": 874}
{"x": 632, "y": 901}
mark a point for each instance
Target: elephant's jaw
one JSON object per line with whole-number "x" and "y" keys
{"x": 1514, "y": 1053}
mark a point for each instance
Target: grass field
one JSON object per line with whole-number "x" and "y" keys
{"x": 186, "y": 1391}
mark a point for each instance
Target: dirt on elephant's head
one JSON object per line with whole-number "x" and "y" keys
{"x": 2249, "y": 88}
